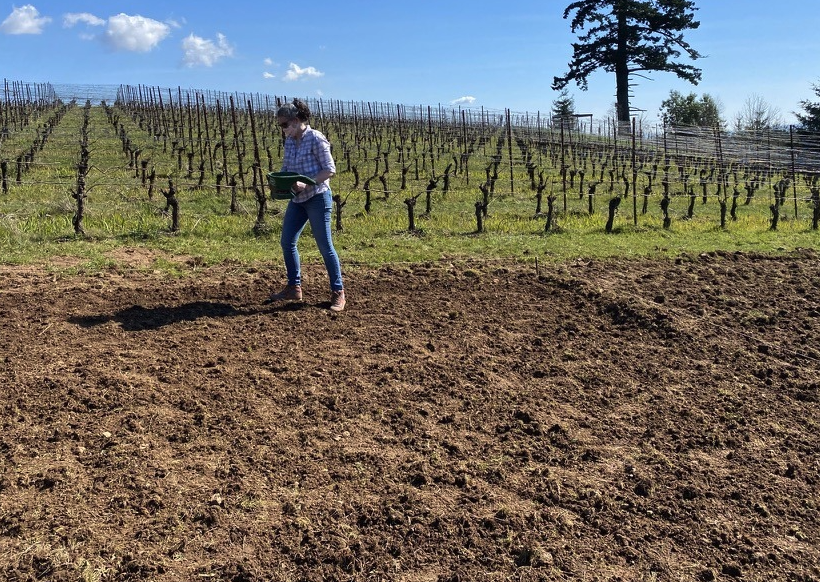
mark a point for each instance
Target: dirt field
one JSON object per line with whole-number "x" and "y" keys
{"x": 623, "y": 420}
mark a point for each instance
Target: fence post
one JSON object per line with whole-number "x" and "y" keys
{"x": 510, "y": 152}
{"x": 563, "y": 167}
{"x": 634, "y": 178}
{"x": 794, "y": 173}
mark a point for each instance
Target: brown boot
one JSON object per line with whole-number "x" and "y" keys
{"x": 289, "y": 293}
{"x": 337, "y": 300}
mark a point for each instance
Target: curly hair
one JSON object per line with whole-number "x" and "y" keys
{"x": 297, "y": 109}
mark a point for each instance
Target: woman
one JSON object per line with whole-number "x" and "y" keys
{"x": 307, "y": 152}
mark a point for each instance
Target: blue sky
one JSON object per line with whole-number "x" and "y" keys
{"x": 428, "y": 52}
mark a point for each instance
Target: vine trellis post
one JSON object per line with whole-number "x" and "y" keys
{"x": 634, "y": 178}
{"x": 509, "y": 150}
{"x": 794, "y": 173}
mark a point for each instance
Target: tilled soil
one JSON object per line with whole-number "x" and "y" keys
{"x": 625, "y": 420}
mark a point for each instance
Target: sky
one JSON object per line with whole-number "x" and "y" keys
{"x": 460, "y": 53}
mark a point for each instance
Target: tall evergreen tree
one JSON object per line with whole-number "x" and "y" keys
{"x": 810, "y": 118}
{"x": 628, "y": 37}
{"x": 563, "y": 109}
{"x": 679, "y": 109}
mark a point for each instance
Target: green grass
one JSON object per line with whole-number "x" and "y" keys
{"x": 36, "y": 216}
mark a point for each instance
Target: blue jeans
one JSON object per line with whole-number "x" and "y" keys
{"x": 317, "y": 210}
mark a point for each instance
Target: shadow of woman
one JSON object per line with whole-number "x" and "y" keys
{"x": 138, "y": 318}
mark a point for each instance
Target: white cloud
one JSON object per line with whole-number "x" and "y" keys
{"x": 466, "y": 100}
{"x": 268, "y": 62}
{"x": 135, "y": 33}
{"x": 24, "y": 20}
{"x": 205, "y": 52}
{"x": 296, "y": 72}
{"x": 72, "y": 18}
{"x": 268, "y": 75}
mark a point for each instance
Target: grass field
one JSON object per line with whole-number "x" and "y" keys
{"x": 36, "y": 214}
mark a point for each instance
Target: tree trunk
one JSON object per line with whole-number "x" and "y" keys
{"x": 622, "y": 73}
{"x": 613, "y": 207}
{"x": 339, "y": 203}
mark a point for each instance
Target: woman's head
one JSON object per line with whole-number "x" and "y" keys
{"x": 297, "y": 109}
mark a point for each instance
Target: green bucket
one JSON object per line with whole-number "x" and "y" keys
{"x": 281, "y": 183}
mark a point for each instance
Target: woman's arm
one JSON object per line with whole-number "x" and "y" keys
{"x": 325, "y": 159}
{"x": 325, "y": 174}
{"x": 318, "y": 178}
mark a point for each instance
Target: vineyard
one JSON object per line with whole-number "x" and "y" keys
{"x": 469, "y": 417}
{"x": 155, "y": 161}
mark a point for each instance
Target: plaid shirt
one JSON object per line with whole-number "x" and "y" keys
{"x": 308, "y": 156}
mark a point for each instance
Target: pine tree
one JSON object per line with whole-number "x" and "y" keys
{"x": 810, "y": 120}
{"x": 628, "y": 37}
{"x": 679, "y": 109}
{"x": 563, "y": 109}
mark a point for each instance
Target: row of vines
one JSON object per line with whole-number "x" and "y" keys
{"x": 171, "y": 145}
